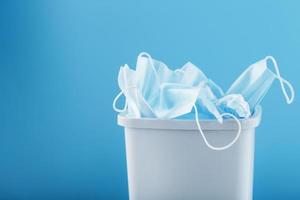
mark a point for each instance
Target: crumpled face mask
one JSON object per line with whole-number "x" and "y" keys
{"x": 153, "y": 90}
{"x": 207, "y": 102}
{"x": 162, "y": 89}
{"x": 208, "y": 90}
{"x": 235, "y": 104}
{"x": 256, "y": 80}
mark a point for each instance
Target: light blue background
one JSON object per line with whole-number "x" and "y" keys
{"x": 59, "y": 62}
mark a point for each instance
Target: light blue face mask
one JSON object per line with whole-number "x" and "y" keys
{"x": 126, "y": 79}
{"x": 207, "y": 101}
{"x": 235, "y": 104}
{"x": 193, "y": 76}
{"x": 156, "y": 91}
{"x": 256, "y": 80}
{"x": 209, "y": 91}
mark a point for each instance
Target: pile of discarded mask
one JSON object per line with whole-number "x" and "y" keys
{"x": 153, "y": 90}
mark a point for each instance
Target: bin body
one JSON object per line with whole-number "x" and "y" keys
{"x": 168, "y": 159}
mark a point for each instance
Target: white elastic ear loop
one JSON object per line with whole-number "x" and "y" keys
{"x": 223, "y": 147}
{"x": 115, "y": 103}
{"x": 117, "y": 98}
{"x": 282, "y": 81}
{"x": 151, "y": 62}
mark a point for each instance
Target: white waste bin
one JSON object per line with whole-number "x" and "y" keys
{"x": 168, "y": 159}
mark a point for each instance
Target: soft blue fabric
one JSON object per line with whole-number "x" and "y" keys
{"x": 235, "y": 104}
{"x": 59, "y": 65}
{"x": 160, "y": 92}
{"x": 153, "y": 90}
{"x": 254, "y": 83}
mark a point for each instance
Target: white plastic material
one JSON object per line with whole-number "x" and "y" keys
{"x": 168, "y": 159}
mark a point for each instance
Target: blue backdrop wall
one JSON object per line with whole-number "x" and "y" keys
{"x": 59, "y": 62}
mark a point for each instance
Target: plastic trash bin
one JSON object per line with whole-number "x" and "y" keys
{"x": 168, "y": 159}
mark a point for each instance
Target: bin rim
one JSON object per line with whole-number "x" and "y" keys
{"x": 189, "y": 124}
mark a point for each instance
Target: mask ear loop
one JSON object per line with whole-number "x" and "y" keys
{"x": 122, "y": 92}
{"x": 118, "y": 97}
{"x": 204, "y": 138}
{"x": 115, "y": 103}
{"x": 282, "y": 81}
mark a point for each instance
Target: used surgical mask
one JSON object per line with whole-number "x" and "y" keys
{"x": 256, "y": 80}
{"x": 235, "y": 104}
{"x": 207, "y": 101}
{"x": 153, "y": 90}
